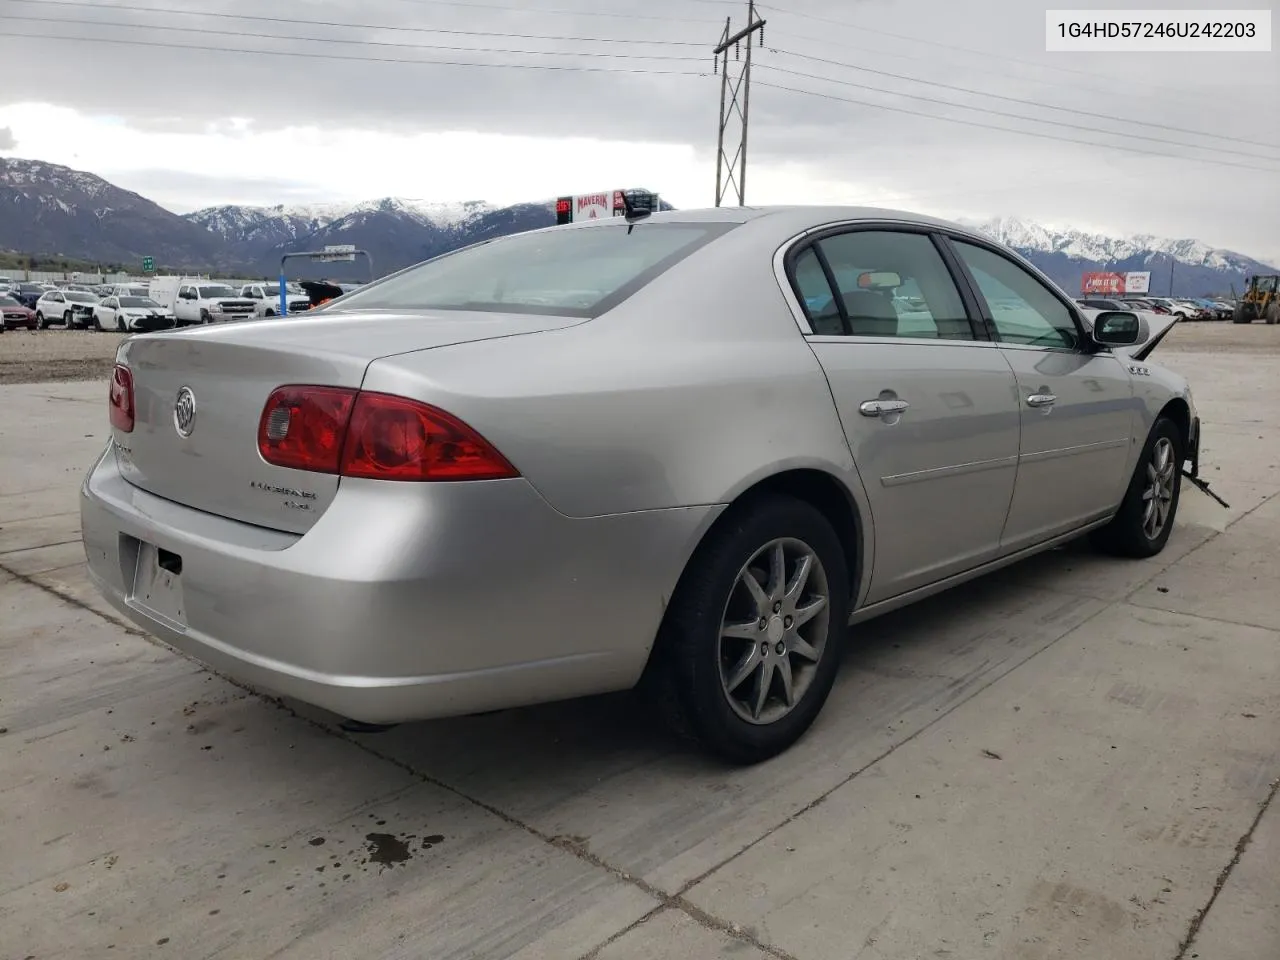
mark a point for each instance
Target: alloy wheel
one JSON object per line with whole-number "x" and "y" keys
{"x": 773, "y": 631}
{"x": 1158, "y": 496}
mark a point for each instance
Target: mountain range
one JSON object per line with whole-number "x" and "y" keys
{"x": 47, "y": 209}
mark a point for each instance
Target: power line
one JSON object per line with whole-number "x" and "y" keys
{"x": 1033, "y": 103}
{"x": 985, "y": 54}
{"x": 365, "y": 43}
{"x": 567, "y": 68}
{"x": 347, "y": 25}
{"x": 1021, "y": 133}
{"x": 544, "y": 12}
{"x": 1017, "y": 116}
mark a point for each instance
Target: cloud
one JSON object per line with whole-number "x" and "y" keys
{"x": 7, "y": 140}
{"x": 872, "y": 111}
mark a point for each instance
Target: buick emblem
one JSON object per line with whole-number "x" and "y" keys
{"x": 184, "y": 412}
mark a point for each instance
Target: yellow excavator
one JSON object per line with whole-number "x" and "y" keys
{"x": 1261, "y": 301}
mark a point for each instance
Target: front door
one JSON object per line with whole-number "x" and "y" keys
{"x": 928, "y": 407}
{"x": 1077, "y": 404}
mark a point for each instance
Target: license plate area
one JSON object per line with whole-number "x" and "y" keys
{"x": 157, "y": 585}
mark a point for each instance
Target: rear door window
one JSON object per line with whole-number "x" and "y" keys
{"x": 571, "y": 271}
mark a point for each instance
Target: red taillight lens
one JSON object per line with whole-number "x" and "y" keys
{"x": 120, "y": 399}
{"x": 303, "y": 428}
{"x": 392, "y": 438}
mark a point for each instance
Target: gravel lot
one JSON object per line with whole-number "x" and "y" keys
{"x": 48, "y": 355}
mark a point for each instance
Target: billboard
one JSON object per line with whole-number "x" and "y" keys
{"x": 1102, "y": 284}
{"x": 590, "y": 206}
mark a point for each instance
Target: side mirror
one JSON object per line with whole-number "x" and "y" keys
{"x": 1114, "y": 328}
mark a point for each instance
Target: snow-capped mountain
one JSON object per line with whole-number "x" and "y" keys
{"x": 260, "y": 229}
{"x": 50, "y": 209}
{"x": 1025, "y": 236}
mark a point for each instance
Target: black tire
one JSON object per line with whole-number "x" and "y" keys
{"x": 1129, "y": 534}
{"x": 1239, "y": 315}
{"x": 204, "y": 317}
{"x": 40, "y": 321}
{"x": 120, "y": 324}
{"x": 68, "y": 320}
{"x": 269, "y": 313}
{"x": 1273, "y": 313}
{"x": 97, "y": 323}
{"x": 686, "y": 674}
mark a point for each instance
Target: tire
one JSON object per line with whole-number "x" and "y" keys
{"x": 97, "y": 323}
{"x": 689, "y": 676}
{"x": 1239, "y": 315}
{"x": 269, "y": 313}
{"x": 1131, "y": 532}
{"x": 204, "y": 317}
{"x": 68, "y": 320}
{"x": 40, "y": 321}
{"x": 120, "y": 324}
{"x": 1273, "y": 313}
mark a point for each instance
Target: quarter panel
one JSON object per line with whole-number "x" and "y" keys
{"x": 682, "y": 395}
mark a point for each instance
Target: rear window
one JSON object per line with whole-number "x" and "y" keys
{"x": 562, "y": 271}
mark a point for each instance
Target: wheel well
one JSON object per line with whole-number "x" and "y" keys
{"x": 829, "y": 496}
{"x": 1178, "y": 411}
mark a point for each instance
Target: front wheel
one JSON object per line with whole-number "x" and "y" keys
{"x": 1273, "y": 313}
{"x": 68, "y": 320}
{"x": 1142, "y": 526}
{"x": 41, "y": 323}
{"x": 97, "y": 323}
{"x": 751, "y": 642}
{"x": 120, "y": 324}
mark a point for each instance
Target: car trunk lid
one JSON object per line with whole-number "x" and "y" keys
{"x": 211, "y": 461}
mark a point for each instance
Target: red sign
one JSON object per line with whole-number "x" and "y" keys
{"x": 1103, "y": 284}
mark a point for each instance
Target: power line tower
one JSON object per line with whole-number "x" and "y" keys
{"x": 735, "y": 101}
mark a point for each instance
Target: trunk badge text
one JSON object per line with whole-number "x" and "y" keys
{"x": 184, "y": 412}
{"x": 289, "y": 493}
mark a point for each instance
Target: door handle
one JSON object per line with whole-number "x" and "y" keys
{"x": 1041, "y": 400}
{"x": 879, "y": 408}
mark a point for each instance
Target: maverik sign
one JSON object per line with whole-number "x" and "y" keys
{"x": 1114, "y": 284}
{"x": 598, "y": 206}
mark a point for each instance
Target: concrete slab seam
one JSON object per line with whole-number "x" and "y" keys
{"x": 1241, "y": 845}
{"x": 41, "y": 546}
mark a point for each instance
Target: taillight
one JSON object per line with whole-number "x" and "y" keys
{"x": 120, "y": 399}
{"x": 373, "y": 436}
{"x": 303, "y": 427}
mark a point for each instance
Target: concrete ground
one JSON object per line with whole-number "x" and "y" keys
{"x": 1076, "y": 758}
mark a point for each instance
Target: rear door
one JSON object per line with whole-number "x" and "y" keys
{"x": 928, "y": 404}
{"x": 1076, "y": 400}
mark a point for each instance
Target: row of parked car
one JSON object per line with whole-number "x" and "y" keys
{"x": 158, "y": 304}
{"x": 1183, "y": 309}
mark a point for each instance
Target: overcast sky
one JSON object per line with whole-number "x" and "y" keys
{"x": 289, "y": 108}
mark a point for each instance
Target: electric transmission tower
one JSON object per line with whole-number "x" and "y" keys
{"x": 735, "y": 104}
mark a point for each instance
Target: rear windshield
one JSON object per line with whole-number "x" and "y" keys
{"x": 562, "y": 271}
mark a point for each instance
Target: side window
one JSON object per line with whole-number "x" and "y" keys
{"x": 1022, "y": 308}
{"x": 895, "y": 285}
{"x": 816, "y": 295}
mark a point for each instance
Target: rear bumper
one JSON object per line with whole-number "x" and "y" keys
{"x": 404, "y": 601}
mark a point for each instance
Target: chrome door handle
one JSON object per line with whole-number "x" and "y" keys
{"x": 1041, "y": 399}
{"x": 879, "y": 408}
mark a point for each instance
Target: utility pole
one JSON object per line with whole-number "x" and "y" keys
{"x": 1172, "y": 261}
{"x": 735, "y": 98}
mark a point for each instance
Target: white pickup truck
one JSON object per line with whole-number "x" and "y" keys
{"x": 266, "y": 298}
{"x": 200, "y": 301}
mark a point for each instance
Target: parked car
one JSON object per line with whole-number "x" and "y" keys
{"x": 266, "y": 298}
{"x": 71, "y": 308}
{"x": 1140, "y": 303}
{"x": 1099, "y": 303}
{"x": 196, "y": 301}
{"x": 28, "y": 293}
{"x": 623, "y": 452}
{"x": 131, "y": 313}
{"x": 7, "y": 284}
{"x": 14, "y": 315}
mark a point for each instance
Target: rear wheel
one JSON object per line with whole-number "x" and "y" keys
{"x": 1273, "y": 313}
{"x": 1239, "y": 314}
{"x": 1142, "y": 526}
{"x": 751, "y": 642}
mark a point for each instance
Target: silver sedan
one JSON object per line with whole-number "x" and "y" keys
{"x": 682, "y": 452}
